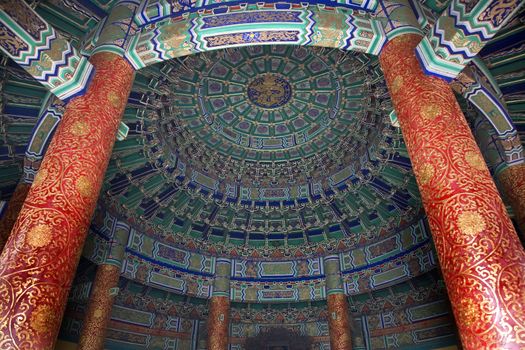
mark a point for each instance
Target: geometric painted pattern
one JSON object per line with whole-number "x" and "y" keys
{"x": 270, "y": 24}
{"x": 38, "y": 48}
{"x": 460, "y": 33}
{"x": 204, "y": 162}
{"x": 214, "y": 226}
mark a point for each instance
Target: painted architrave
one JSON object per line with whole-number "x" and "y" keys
{"x": 151, "y": 11}
{"x": 460, "y": 33}
{"x": 39, "y": 49}
{"x": 255, "y": 25}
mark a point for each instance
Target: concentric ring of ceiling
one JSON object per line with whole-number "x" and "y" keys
{"x": 242, "y": 145}
{"x": 312, "y": 134}
{"x": 264, "y": 104}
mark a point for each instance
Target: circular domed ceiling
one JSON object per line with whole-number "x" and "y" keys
{"x": 249, "y": 141}
{"x": 267, "y": 119}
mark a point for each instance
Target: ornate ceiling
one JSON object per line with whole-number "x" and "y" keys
{"x": 266, "y": 154}
{"x": 216, "y": 156}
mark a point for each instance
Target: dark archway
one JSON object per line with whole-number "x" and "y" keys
{"x": 276, "y": 338}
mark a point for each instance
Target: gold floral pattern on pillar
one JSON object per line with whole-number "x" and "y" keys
{"x": 39, "y": 260}
{"x": 99, "y": 308}
{"x": 482, "y": 260}
{"x": 218, "y": 323}
{"x": 339, "y": 322}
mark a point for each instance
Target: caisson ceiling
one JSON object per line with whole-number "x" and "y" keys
{"x": 276, "y": 147}
{"x": 274, "y": 156}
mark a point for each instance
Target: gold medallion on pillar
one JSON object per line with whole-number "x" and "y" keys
{"x": 49, "y": 233}
{"x": 475, "y": 240}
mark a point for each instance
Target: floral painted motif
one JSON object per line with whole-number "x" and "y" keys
{"x": 40, "y": 258}
{"x": 479, "y": 252}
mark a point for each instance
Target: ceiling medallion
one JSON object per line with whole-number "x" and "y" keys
{"x": 269, "y": 91}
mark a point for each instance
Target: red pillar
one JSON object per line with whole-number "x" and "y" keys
{"x": 337, "y": 305}
{"x": 482, "y": 260}
{"x": 218, "y": 323}
{"x": 13, "y": 208}
{"x": 99, "y": 308}
{"x": 219, "y": 317}
{"x": 339, "y": 322}
{"x": 39, "y": 260}
{"x": 104, "y": 290}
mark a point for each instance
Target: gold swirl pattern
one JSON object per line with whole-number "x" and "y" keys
{"x": 82, "y": 145}
{"x": 98, "y": 313}
{"x": 219, "y": 323}
{"x": 339, "y": 322}
{"x": 482, "y": 260}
